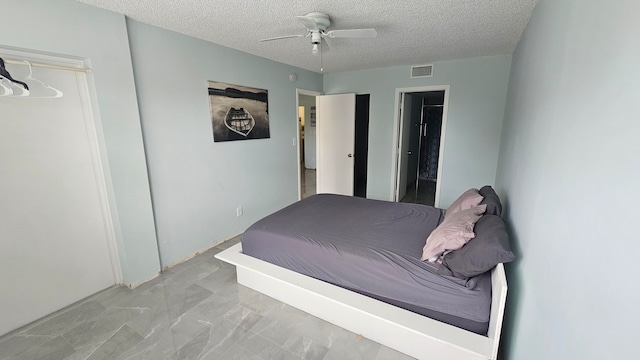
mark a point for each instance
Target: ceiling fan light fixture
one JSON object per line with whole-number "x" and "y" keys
{"x": 315, "y": 50}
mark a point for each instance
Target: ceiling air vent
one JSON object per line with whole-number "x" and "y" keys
{"x": 420, "y": 71}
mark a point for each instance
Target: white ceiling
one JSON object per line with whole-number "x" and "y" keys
{"x": 409, "y": 31}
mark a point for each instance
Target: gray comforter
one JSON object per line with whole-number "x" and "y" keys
{"x": 374, "y": 248}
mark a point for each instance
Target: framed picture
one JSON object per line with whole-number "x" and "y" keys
{"x": 312, "y": 117}
{"x": 238, "y": 112}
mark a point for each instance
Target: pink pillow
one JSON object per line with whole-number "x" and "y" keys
{"x": 467, "y": 200}
{"x": 455, "y": 231}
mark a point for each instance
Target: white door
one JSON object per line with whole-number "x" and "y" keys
{"x": 335, "y": 131}
{"x": 405, "y": 130}
{"x": 54, "y": 230}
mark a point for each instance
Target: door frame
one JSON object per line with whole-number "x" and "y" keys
{"x": 297, "y": 142}
{"x": 405, "y": 102}
{"x": 397, "y": 134}
{"x": 95, "y": 135}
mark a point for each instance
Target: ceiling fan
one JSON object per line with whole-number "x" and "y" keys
{"x": 317, "y": 24}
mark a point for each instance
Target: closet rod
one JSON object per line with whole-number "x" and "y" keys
{"x": 48, "y": 66}
{"x": 427, "y": 105}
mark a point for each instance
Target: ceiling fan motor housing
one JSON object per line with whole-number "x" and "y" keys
{"x": 321, "y": 19}
{"x": 316, "y": 37}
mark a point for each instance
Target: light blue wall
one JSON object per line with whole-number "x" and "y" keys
{"x": 569, "y": 174}
{"x": 196, "y": 183}
{"x": 476, "y": 108}
{"x": 71, "y": 29}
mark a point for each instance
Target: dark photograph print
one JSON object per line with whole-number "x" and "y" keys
{"x": 238, "y": 112}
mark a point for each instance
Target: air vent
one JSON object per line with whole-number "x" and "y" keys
{"x": 420, "y": 71}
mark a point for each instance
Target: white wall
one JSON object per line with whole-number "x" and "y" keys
{"x": 568, "y": 174}
{"x": 196, "y": 183}
{"x": 71, "y": 29}
{"x": 309, "y": 131}
{"x": 476, "y": 109}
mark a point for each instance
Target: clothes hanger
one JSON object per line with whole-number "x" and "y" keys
{"x": 56, "y": 93}
{"x": 18, "y": 91}
{"x": 5, "y": 89}
{"x": 5, "y": 74}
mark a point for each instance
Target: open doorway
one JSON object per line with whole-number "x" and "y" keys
{"x": 352, "y": 122}
{"x": 306, "y": 143}
{"x": 421, "y": 125}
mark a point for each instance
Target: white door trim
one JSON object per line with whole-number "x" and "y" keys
{"x": 101, "y": 170}
{"x": 401, "y": 143}
{"x": 93, "y": 127}
{"x": 397, "y": 124}
{"x": 298, "y": 143}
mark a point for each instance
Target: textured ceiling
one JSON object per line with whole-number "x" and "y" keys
{"x": 409, "y": 31}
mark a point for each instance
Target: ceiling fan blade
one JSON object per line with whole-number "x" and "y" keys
{"x": 282, "y": 37}
{"x": 352, "y": 33}
{"x": 324, "y": 46}
{"x": 308, "y": 23}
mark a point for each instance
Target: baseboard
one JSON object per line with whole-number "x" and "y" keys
{"x": 134, "y": 285}
{"x": 198, "y": 252}
{"x": 180, "y": 261}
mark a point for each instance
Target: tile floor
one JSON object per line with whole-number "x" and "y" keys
{"x": 195, "y": 310}
{"x": 308, "y": 178}
{"x": 425, "y": 194}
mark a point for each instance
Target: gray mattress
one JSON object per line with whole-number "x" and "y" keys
{"x": 371, "y": 247}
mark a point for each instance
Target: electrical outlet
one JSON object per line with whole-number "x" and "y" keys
{"x": 239, "y": 211}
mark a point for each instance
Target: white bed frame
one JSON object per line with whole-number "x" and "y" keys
{"x": 405, "y": 331}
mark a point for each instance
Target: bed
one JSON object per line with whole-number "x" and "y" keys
{"x": 356, "y": 263}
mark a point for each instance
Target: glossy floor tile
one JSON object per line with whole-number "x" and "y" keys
{"x": 308, "y": 182}
{"x": 195, "y": 310}
{"x": 422, "y": 192}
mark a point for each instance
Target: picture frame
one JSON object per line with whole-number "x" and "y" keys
{"x": 238, "y": 112}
